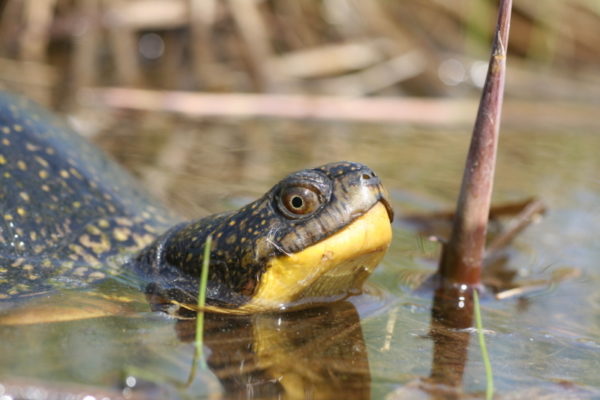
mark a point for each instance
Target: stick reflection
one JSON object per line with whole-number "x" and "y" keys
{"x": 451, "y": 315}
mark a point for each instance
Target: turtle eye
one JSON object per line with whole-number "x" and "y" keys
{"x": 297, "y": 201}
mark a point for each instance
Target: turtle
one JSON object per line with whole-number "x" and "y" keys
{"x": 70, "y": 217}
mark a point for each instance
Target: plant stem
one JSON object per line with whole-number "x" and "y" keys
{"x": 462, "y": 257}
{"x": 202, "y": 298}
{"x": 489, "y": 377}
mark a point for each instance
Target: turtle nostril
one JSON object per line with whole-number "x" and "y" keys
{"x": 369, "y": 177}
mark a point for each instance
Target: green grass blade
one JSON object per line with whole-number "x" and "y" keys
{"x": 202, "y": 299}
{"x": 489, "y": 377}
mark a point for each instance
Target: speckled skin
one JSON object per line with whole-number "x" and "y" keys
{"x": 70, "y": 216}
{"x": 247, "y": 238}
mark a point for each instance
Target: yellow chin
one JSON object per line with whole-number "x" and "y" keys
{"x": 332, "y": 267}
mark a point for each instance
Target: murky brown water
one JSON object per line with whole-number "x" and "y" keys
{"x": 377, "y": 345}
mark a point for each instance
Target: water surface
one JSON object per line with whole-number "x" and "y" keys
{"x": 378, "y": 345}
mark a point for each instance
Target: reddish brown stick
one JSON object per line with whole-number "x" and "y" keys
{"x": 462, "y": 257}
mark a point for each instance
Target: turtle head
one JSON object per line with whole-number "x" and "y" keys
{"x": 315, "y": 235}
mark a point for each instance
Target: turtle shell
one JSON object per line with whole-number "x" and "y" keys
{"x": 67, "y": 211}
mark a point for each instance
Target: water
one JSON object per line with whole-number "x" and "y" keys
{"x": 378, "y": 345}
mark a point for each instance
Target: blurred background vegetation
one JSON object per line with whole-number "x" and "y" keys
{"x": 52, "y": 48}
{"x": 137, "y": 76}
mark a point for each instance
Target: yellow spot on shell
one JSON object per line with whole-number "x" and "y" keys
{"x": 21, "y": 164}
{"x": 80, "y": 251}
{"x": 45, "y": 188}
{"x": 76, "y": 204}
{"x": 18, "y": 262}
{"x": 121, "y": 234}
{"x": 124, "y": 221}
{"x": 2, "y": 160}
{"x": 97, "y": 275}
{"x": 102, "y": 223}
{"x": 149, "y": 228}
{"x": 232, "y": 223}
{"x": 24, "y": 196}
{"x": 17, "y": 128}
{"x": 31, "y": 147}
{"x": 42, "y": 162}
{"x": 75, "y": 173}
{"x": 33, "y": 235}
{"x": 43, "y": 174}
{"x": 21, "y": 211}
{"x": 98, "y": 247}
{"x": 231, "y": 239}
{"x": 64, "y": 173}
{"x": 6, "y": 129}
{"x": 93, "y": 230}
{"x": 143, "y": 241}
{"x": 8, "y": 217}
{"x": 6, "y": 142}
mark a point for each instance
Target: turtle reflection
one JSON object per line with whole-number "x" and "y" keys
{"x": 314, "y": 353}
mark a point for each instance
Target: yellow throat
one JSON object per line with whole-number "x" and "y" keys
{"x": 332, "y": 267}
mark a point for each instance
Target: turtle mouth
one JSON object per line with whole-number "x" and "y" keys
{"x": 329, "y": 269}
{"x": 388, "y": 207}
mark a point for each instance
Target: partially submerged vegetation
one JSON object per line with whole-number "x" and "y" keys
{"x": 203, "y": 282}
{"x": 489, "y": 375}
{"x": 462, "y": 257}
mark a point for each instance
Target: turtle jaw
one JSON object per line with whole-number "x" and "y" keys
{"x": 330, "y": 268}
